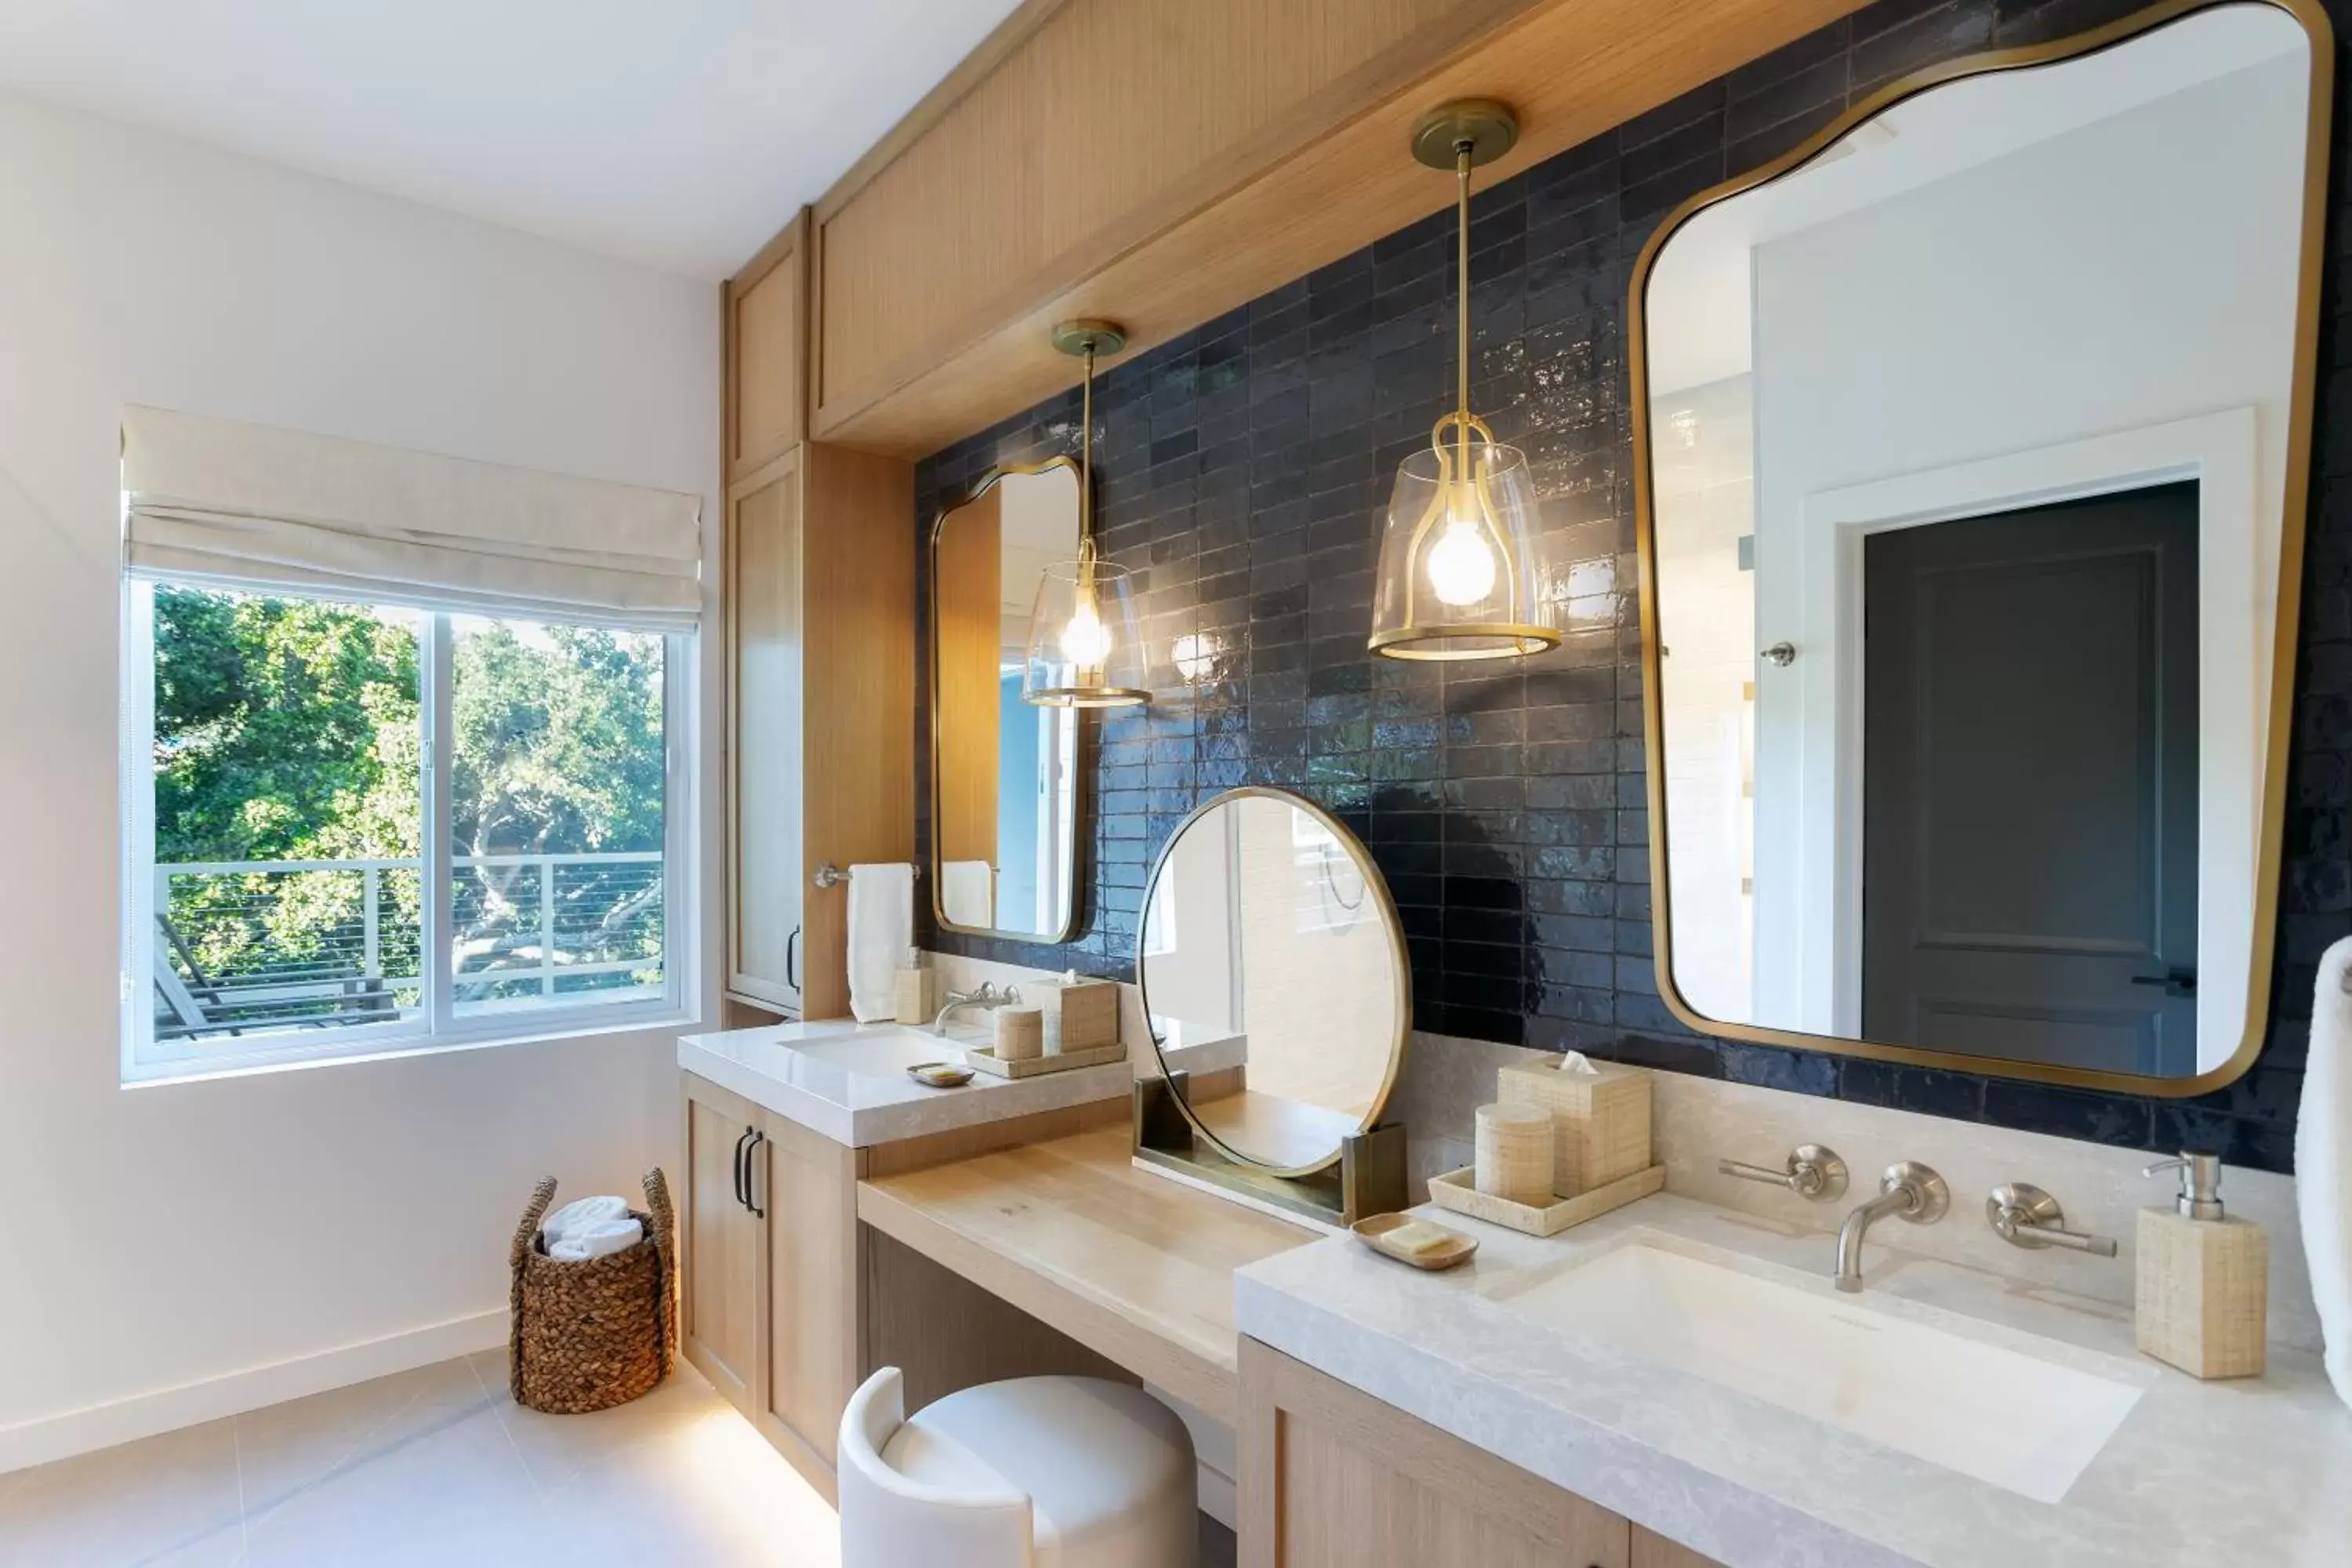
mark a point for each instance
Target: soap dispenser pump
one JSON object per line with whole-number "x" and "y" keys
{"x": 2203, "y": 1285}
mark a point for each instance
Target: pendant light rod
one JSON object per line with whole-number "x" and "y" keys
{"x": 1461, "y": 262}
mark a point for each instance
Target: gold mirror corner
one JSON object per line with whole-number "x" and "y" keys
{"x": 1007, "y": 777}
{"x": 1893, "y": 672}
{"x": 1254, "y": 889}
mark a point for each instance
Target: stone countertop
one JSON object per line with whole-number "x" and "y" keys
{"x": 2252, "y": 1471}
{"x": 773, "y": 1067}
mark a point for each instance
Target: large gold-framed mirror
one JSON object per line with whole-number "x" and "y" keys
{"x": 1971, "y": 448}
{"x": 1005, "y": 774}
{"x": 1275, "y": 980}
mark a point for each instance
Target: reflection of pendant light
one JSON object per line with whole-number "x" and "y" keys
{"x": 1085, "y": 648}
{"x": 1462, "y": 570}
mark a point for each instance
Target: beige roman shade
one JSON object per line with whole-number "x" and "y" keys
{"x": 222, "y": 502}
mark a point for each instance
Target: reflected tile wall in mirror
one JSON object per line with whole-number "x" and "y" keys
{"x": 1242, "y": 468}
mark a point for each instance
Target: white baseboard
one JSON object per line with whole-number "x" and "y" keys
{"x": 95, "y": 1427}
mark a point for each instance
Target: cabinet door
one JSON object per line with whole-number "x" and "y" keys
{"x": 1651, "y": 1549}
{"x": 1332, "y": 1477}
{"x": 810, "y": 1187}
{"x": 767, "y": 950}
{"x": 767, "y": 360}
{"x": 720, "y": 1313}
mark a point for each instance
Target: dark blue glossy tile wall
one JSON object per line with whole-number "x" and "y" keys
{"x": 1242, "y": 468}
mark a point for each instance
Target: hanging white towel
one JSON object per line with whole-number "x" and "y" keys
{"x": 967, "y": 893}
{"x": 595, "y": 1240}
{"x": 581, "y": 1213}
{"x": 2323, "y": 1162}
{"x": 881, "y": 930}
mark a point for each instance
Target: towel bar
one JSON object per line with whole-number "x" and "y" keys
{"x": 829, "y": 875}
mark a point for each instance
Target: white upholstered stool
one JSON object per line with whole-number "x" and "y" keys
{"x": 1036, "y": 1472}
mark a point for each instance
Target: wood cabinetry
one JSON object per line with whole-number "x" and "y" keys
{"x": 769, "y": 1311}
{"x": 819, "y": 595}
{"x": 1332, "y": 1477}
{"x": 1163, "y": 161}
{"x": 809, "y": 1188}
{"x": 725, "y": 1243}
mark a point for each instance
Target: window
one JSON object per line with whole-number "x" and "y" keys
{"x": 357, "y": 827}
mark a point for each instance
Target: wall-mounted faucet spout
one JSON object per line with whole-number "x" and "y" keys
{"x": 1909, "y": 1190}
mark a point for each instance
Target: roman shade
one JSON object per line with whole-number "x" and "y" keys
{"x": 223, "y": 502}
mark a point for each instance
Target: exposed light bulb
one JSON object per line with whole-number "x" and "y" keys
{"x": 1462, "y": 564}
{"x": 1085, "y": 641}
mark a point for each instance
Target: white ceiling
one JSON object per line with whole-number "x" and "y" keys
{"x": 679, "y": 133}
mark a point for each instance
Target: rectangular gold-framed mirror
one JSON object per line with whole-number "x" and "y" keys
{"x": 1005, "y": 774}
{"x": 1972, "y": 443}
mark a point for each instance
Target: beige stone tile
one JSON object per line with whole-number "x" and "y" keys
{"x": 709, "y": 1494}
{"x": 451, "y": 1491}
{"x": 557, "y": 1448}
{"x": 289, "y": 1449}
{"x": 166, "y": 1500}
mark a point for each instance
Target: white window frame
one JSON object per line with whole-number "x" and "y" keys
{"x": 438, "y": 1027}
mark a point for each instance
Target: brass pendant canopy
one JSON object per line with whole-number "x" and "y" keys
{"x": 1086, "y": 640}
{"x": 1463, "y": 570}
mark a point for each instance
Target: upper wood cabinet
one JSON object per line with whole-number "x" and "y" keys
{"x": 767, "y": 352}
{"x": 820, "y": 607}
{"x": 1162, "y": 162}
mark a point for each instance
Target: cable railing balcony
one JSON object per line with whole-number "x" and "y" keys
{"x": 251, "y": 946}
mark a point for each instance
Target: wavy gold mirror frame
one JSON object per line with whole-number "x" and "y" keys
{"x": 1082, "y": 767}
{"x": 2294, "y": 500}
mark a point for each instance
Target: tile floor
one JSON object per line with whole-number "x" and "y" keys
{"x": 437, "y": 1469}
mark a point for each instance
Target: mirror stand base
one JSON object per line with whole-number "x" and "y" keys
{"x": 1368, "y": 1179}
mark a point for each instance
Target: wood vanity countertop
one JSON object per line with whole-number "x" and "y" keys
{"x": 1136, "y": 1268}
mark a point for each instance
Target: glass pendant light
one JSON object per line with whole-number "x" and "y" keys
{"x": 1086, "y": 644}
{"x": 1463, "y": 572}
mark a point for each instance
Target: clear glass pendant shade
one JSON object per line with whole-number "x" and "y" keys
{"x": 1463, "y": 571}
{"x": 1086, "y": 642}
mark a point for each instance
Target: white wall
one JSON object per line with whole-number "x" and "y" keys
{"x": 2126, "y": 274}
{"x": 175, "y": 1236}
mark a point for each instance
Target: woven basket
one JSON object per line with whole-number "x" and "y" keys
{"x": 600, "y": 1332}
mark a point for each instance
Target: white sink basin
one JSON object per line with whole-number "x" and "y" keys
{"x": 881, "y": 1055}
{"x": 1959, "y": 1399}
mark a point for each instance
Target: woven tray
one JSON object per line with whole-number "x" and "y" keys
{"x": 985, "y": 1060}
{"x": 1455, "y": 1190}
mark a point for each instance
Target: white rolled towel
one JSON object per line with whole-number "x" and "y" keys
{"x": 581, "y": 1213}
{"x": 594, "y": 1240}
{"x": 2322, "y": 1161}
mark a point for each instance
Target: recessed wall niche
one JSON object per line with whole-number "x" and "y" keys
{"x": 1242, "y": 468}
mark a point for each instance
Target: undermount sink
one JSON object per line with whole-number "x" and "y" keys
{"x": 881, "y": 1054}
{"x": 2026, "y": 1422}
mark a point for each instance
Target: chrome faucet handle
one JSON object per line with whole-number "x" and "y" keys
{"x": 2024, "y": 1215}
{"x": 1812, "y": 1171}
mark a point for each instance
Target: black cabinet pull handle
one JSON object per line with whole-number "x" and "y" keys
{"x": 757, "y": 1212}
{"x": 792, "y": 959}
{"x": 743, "y": 1177}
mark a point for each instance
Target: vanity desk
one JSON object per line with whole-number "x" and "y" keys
{"x": 1135, "y": 1267}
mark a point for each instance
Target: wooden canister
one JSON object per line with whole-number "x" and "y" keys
{"x": 1019, "y": 1033}
{"x": 1515, "y": 1154}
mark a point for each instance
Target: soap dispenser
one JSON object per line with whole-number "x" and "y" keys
{"x": 2203, "y": 1289}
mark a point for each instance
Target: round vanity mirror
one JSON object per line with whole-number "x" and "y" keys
{"x": 1274, "y": 976}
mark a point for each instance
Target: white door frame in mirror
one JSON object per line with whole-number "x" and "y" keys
{"x": 1808, "y": 923}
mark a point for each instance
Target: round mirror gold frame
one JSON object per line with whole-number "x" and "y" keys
{"x": 1082, "y": 768}
{"x": 1401, "y": 967}
{"x": 2296, "y": 500}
